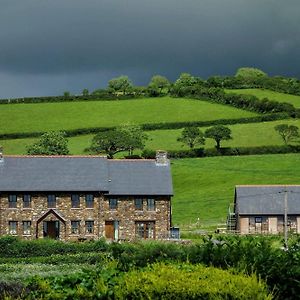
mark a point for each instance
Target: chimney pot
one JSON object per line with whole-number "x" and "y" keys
{"x": 1, "y": 155}
{"x": 161, "y": 158}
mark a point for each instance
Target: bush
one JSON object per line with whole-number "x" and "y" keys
{"x": 186, "y": 281}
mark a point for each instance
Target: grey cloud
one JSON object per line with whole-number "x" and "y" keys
{"x": 77, "y": 44}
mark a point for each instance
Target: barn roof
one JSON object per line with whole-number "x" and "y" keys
{"x": 84, "y": 173}
{"x": 266, "y": 199}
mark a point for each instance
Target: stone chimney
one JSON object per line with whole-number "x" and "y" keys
{"x": 161, "y": 158}
{"x": 1, "y": 155}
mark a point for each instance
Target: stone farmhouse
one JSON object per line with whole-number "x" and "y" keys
{"x": 85, "y": 197}
{"x": 262, "y": 209}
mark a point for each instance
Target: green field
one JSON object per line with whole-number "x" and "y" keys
{"x": 72, "y": 115}
{"x": 279, "y": 97}
{"x": 244, "y": 135}
{"x": 204, "y": 187}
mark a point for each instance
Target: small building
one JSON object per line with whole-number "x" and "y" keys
{"x": 262, "y": 209}
{"x": 85, "y": 197}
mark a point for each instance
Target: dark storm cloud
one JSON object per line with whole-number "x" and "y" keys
{"x": 48, "y": 46}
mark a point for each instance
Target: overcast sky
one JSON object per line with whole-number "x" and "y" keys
{"x": 51, "y": 46}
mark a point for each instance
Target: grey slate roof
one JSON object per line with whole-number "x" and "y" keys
{"x": 89, "y": 173}
{"x": 140, "y": 177}
{"x": 267, "y": 199}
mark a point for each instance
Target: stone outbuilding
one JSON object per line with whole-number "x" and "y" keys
{"x": 85, "y": 197}
{"x": 262, "y": 209}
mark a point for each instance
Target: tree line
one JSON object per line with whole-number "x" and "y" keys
{"x": 131, "y": 137}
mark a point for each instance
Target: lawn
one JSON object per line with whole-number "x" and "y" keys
{"x": 71, "y": 115}
{"x": 244, "y": 135}
{"x": 260, "y": 93}
{"x": 204, "y": 187}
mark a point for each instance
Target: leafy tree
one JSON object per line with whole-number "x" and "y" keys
{"x": 120, "y": 84}
{"x": 126, "y": 138}
{"x": 158, "y": 84}
{"x": 192, "y": 136}
{"x": 250, "y": 73}
{"x": 218, "y": 133}
{"x": 288, "y": 133}
{"x": 85, "y": 92}
{"x": 50, "y": 143}
{"x": 67, "y": 94}
{"x": 136, "y": 137}
{"x": 185, "y": 79}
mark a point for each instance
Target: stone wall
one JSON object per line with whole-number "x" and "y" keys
{"x": 125, "y": 215}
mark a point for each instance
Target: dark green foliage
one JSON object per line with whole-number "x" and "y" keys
{"x": 50, "y": 143}
{"x": 262, "y": 255}
{"x": 112, "y": 141}
{"x": 200, "y": 152}
{"x": 158, "y": 86}
{"x": 14, "y": 247}
{"x": 218, "y": 133}
{"x": 288, "y": 133}
{"x": 120, "y": 84}
{"x": 192, "y": 136}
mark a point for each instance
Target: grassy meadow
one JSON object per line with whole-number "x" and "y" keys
{"x": 244, "y": 135}
{"x": 276, "y": 96}
{"x": 204, "y": 187}
{"x": 72, "y": 115}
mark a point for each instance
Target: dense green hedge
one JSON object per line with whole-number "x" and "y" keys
{"x": 201, "y": 152}
{"x": 101, "y": 95}
{"x": 247, "y": 102}
{"x": 155, "y": 126}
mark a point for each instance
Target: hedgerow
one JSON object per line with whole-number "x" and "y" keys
{"x": 156, "y": 126}
{"x": 201, "y": 152}
{"x": 248, "y": 254}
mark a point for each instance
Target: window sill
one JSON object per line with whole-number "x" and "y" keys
{"x": 76, "y": 208}
{"x": 89, "y": 208}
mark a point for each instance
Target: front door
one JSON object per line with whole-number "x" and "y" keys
{"x": 112, "y": 230}
{"x": 109, "y": 229}
{"x": 51, "y": 229}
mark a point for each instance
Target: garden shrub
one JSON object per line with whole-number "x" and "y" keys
{"x": 186, "y": 281}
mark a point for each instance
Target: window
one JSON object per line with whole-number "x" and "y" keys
{"x": 75, "y": 227}
{"x": 26, "y": 201}
{"x": 12, "y": 227}
{"x": 89, "y": 201}
{"x": 145, "y": 230}
{"x": 12, "y": 201}
{"x": 51, "y": 201}
{"x": 138, "y": 203}
{"x": 75, "y": 201}
{"x": 26, "y": 227}
{"x": 113, "y": 203}
{"x": 258, "y": 224}
{"x": 150, "y": 204}
{"x": 89, "y": 227}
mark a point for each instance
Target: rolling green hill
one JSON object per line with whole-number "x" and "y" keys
{"x": 276, "y": 96}
{"x": 42, "y": 117}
